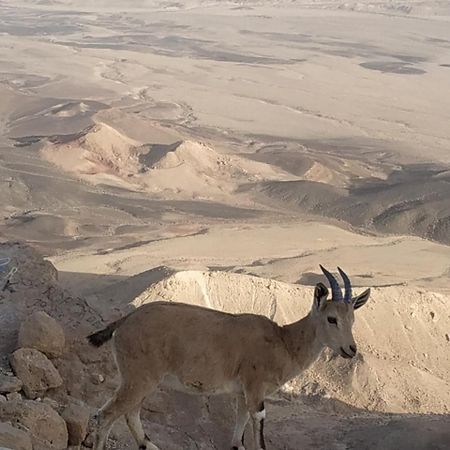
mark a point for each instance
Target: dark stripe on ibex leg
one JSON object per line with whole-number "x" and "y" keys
{"x": 261, "y": 434}
{"x": 262, "y": 442}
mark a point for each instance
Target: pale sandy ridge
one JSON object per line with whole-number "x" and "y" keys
{"x": 288, "y": 251}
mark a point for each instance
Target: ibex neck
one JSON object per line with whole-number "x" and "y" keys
{"x": 302, "y": 342}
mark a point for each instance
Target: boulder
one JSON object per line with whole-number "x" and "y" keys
{"x": 13, "y": 438}
{"x": 42, "y": 332}
{"x": 47, "y": 428}
{"x": 36, "y": 289}
{"x": 9, "y": 384}
{"x": 52, "y": 403}
{"x": 77, "y": 419}
{"x": 13, "y": 397}
{"x": 36, "y": 372}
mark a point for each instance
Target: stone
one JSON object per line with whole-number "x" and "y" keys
{"x": 43, "y": 333}
{"x": 77, "y": 419}
{"x": 98, "y": 378}
{"x": 13, "y": 438}
{"x": 37, "y": 372}
{"x": 46, "y": 427}
{"x": 52, "y": 403}
{"x": 36, "y": 289}
{"x": 9, "y": 384}
{"x": 13, "y": 397}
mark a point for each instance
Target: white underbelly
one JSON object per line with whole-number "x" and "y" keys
{"x": 198, "y": 387}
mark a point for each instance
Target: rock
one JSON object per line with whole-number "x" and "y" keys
{"x": 9, "y": 384}
{"x": 14, "y": 438}
{"x": 52, "y": 403}
{"x": 2, "y": 399}
{"x": 77, "y": 419}
{"x": 47, "y": 428}
{"x": 36, "y": 289}
{"x": 42, "y": 332}
{"x": 36, "y": 371}
{"x": 13, "y": 397}
{"x": 98, "y": 378}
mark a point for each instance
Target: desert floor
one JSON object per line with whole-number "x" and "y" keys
{"x": 241, "y": 140}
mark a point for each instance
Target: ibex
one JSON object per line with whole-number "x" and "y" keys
{"x": 203, "y": 351}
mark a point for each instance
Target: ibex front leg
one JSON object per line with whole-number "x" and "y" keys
{"x": 255, "y": 405}
{"x": 242, "y": 416}
{"x": 258, "y": 417}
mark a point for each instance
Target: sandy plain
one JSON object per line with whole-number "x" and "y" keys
{"x": 245, "y": 139}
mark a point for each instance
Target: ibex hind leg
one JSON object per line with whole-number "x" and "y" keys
{"x": 135, "y": 425}
{"x": 125, "y": 400}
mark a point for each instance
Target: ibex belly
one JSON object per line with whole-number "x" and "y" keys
{"x": 199, "y": 386}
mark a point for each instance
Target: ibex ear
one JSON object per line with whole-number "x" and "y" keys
{"x": 361, "y": 299}
{"x": 320, "y": 295}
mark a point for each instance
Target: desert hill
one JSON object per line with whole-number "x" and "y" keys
{"x": 377, "y": 196}
{"x": 309, "y": 162}
{"x": 103, "y": 155}
{"x": 399, "y": 204}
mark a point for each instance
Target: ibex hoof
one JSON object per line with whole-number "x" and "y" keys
{"x": 148, "y": 446}
{"x": 89, "y": 441}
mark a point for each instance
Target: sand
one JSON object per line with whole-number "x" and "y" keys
{"x": 216, "y": 153}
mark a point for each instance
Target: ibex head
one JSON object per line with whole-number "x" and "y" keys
{"x": 334, "y": 318}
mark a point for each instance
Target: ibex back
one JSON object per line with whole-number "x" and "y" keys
{"x": 203, "y": 351}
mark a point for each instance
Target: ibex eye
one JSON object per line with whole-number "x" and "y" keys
{"x": 332, "y": 320}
